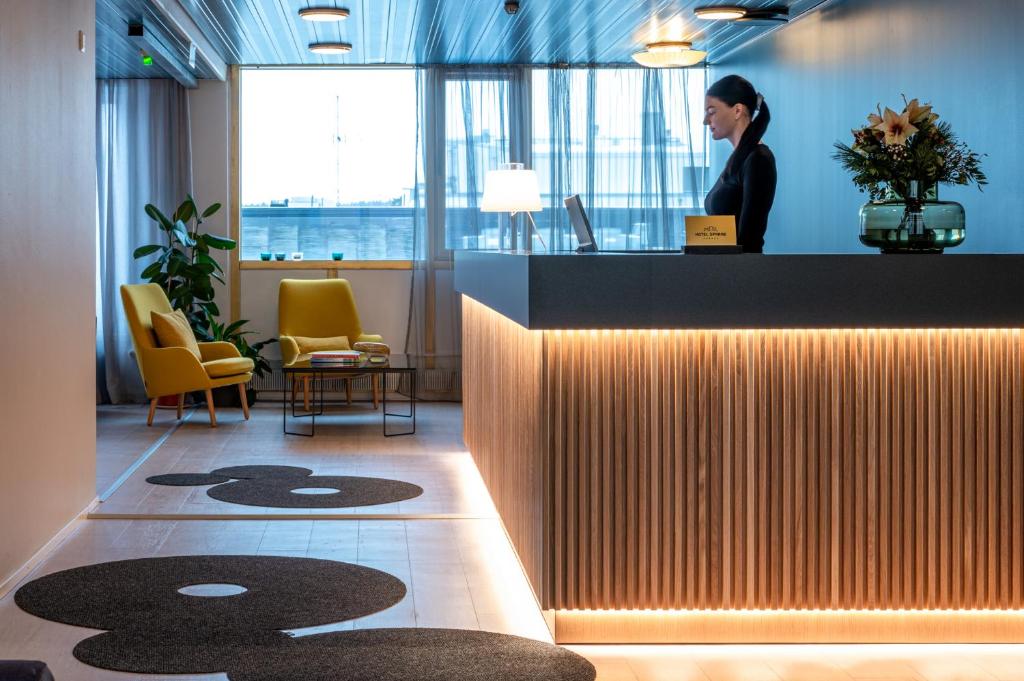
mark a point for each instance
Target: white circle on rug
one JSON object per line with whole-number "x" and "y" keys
{"x": 316, "y": 490}
{"x": 212, "y": 590}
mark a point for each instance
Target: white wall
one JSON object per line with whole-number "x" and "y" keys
{"x": 210, "y": 113}
{"x": 47, "y": 272}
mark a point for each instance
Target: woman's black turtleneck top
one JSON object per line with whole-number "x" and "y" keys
{"x": 747, "y": 194}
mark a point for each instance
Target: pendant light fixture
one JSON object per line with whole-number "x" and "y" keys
{"x": 668, "y": 54}
{"x": 330, "y": 48}
{"x": 323, "y": 13}
{"x": 760, "y": 16}
{"x": 720, "y": 12}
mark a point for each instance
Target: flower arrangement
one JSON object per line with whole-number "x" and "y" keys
{"x": 895, "y": 149}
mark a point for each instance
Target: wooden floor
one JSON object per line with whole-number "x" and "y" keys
{"x": 461, "y": 571}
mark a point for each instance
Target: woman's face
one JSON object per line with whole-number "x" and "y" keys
{"x": 720, "y": 117}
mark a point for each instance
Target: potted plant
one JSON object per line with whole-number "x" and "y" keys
{"x": 233, "y": 333}
{"x": 899, "y": 159}
{"x": 186, "y": 270}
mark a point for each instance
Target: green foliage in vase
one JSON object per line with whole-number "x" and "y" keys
{"x": 233, "y": 333}
{"x": 895, "y": 149}
{"x": 185, "y": 269}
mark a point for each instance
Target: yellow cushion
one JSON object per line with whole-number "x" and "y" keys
{"x": 228, "y": 367}
{"x": 173, "y": 331}
{"x": 308, "y": 345}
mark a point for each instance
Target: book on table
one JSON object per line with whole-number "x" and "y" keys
{"x": 335, "y": 358}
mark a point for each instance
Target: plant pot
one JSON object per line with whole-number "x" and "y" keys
{"x": 899, "y": 226}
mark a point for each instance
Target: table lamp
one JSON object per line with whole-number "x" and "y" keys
{"x": 512, "y": 189}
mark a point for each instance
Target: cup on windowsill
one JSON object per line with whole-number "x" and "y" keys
{"x": 279, "y": 256}
{"x": 337, "y": 256}
{"x": 265, "y": 256}
{"x": 297, "y": 255}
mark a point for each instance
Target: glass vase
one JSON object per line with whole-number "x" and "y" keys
{"x": 917, "y": 223}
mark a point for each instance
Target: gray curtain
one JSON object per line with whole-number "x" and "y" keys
{"x": 143, "y": 155}
{"x": 432, "y": 336}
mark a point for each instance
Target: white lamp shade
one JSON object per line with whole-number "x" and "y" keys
{"x": 511, "y": 191}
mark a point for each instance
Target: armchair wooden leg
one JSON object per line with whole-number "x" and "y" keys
{"x": 152, "y": 411}
{"x": 181, "y": 405}
{"x": 245, "y": 400}
{"x": 375, "y": 380}
{"x": 348, "y": 391}
{"x": 305, "y": 393}
{"x": 209, "y": 406}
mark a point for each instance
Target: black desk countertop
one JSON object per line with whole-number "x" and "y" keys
{"x": 675, "y": 291}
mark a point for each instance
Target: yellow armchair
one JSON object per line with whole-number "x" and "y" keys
{"x": 176, "y": 371}
{"x": 319, "y": 308}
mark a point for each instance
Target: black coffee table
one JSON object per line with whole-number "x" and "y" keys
{"x": 301, "y": 368}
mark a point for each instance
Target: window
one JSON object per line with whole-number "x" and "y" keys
{"x": 328, "y": 162}
{"x": 332, "y": 159}
{"x": 630, "y": 142}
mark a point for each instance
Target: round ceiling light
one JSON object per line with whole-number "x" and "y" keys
{"x": 323, "y": 13}
{"x": 667, "y": 54}
{"x": 720, "y": 12}
{"x": 330, "y": 48}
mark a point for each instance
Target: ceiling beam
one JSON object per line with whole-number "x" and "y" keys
{"x": 182, "y": 21}
{"x": 147, "y": 40}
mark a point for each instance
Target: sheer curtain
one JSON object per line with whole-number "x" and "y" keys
{"x": 630, "y": 142}
{"x": 471, "y": 120}
{"x": 143, "y": 155}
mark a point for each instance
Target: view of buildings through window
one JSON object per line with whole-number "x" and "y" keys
{"x": 329, "y": 158}
{"x": 328, "y": 162}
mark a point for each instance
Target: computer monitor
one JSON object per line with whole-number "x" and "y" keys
{"x": 580, "y": 225}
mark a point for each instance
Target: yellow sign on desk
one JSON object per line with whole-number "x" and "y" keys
{"x": 710, "y": 230}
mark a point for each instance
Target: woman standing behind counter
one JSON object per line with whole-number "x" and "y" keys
{"x": 734, "y": 110}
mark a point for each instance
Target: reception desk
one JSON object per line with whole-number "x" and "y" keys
{"x": 754, "y": 448}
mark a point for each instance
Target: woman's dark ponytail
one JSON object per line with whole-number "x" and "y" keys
{"x": 737, "y": 90}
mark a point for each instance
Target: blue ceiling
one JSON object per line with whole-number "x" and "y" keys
{"x": 269, "y": 32}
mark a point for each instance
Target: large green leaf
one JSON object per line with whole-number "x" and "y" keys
{"x": 151, "y": 271}
{"x": 143, "y": 251}
{"x": 206, "y": 259}
{"x": 179, "y": 291}
{"x": 219, "y": 242}
{"x": 154, "y": 212}
{"x": 211, "y": 209}
{"x": 186, "y": 210}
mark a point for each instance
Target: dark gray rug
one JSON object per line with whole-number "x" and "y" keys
{"x": 262, "y": 471}
{"x": 352, "y": 491}
{"x": 414, "y": 655}
{"x": 187, "y": 479}
{"x": 273, "y": 486}
{"x": 153, "y": 629}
